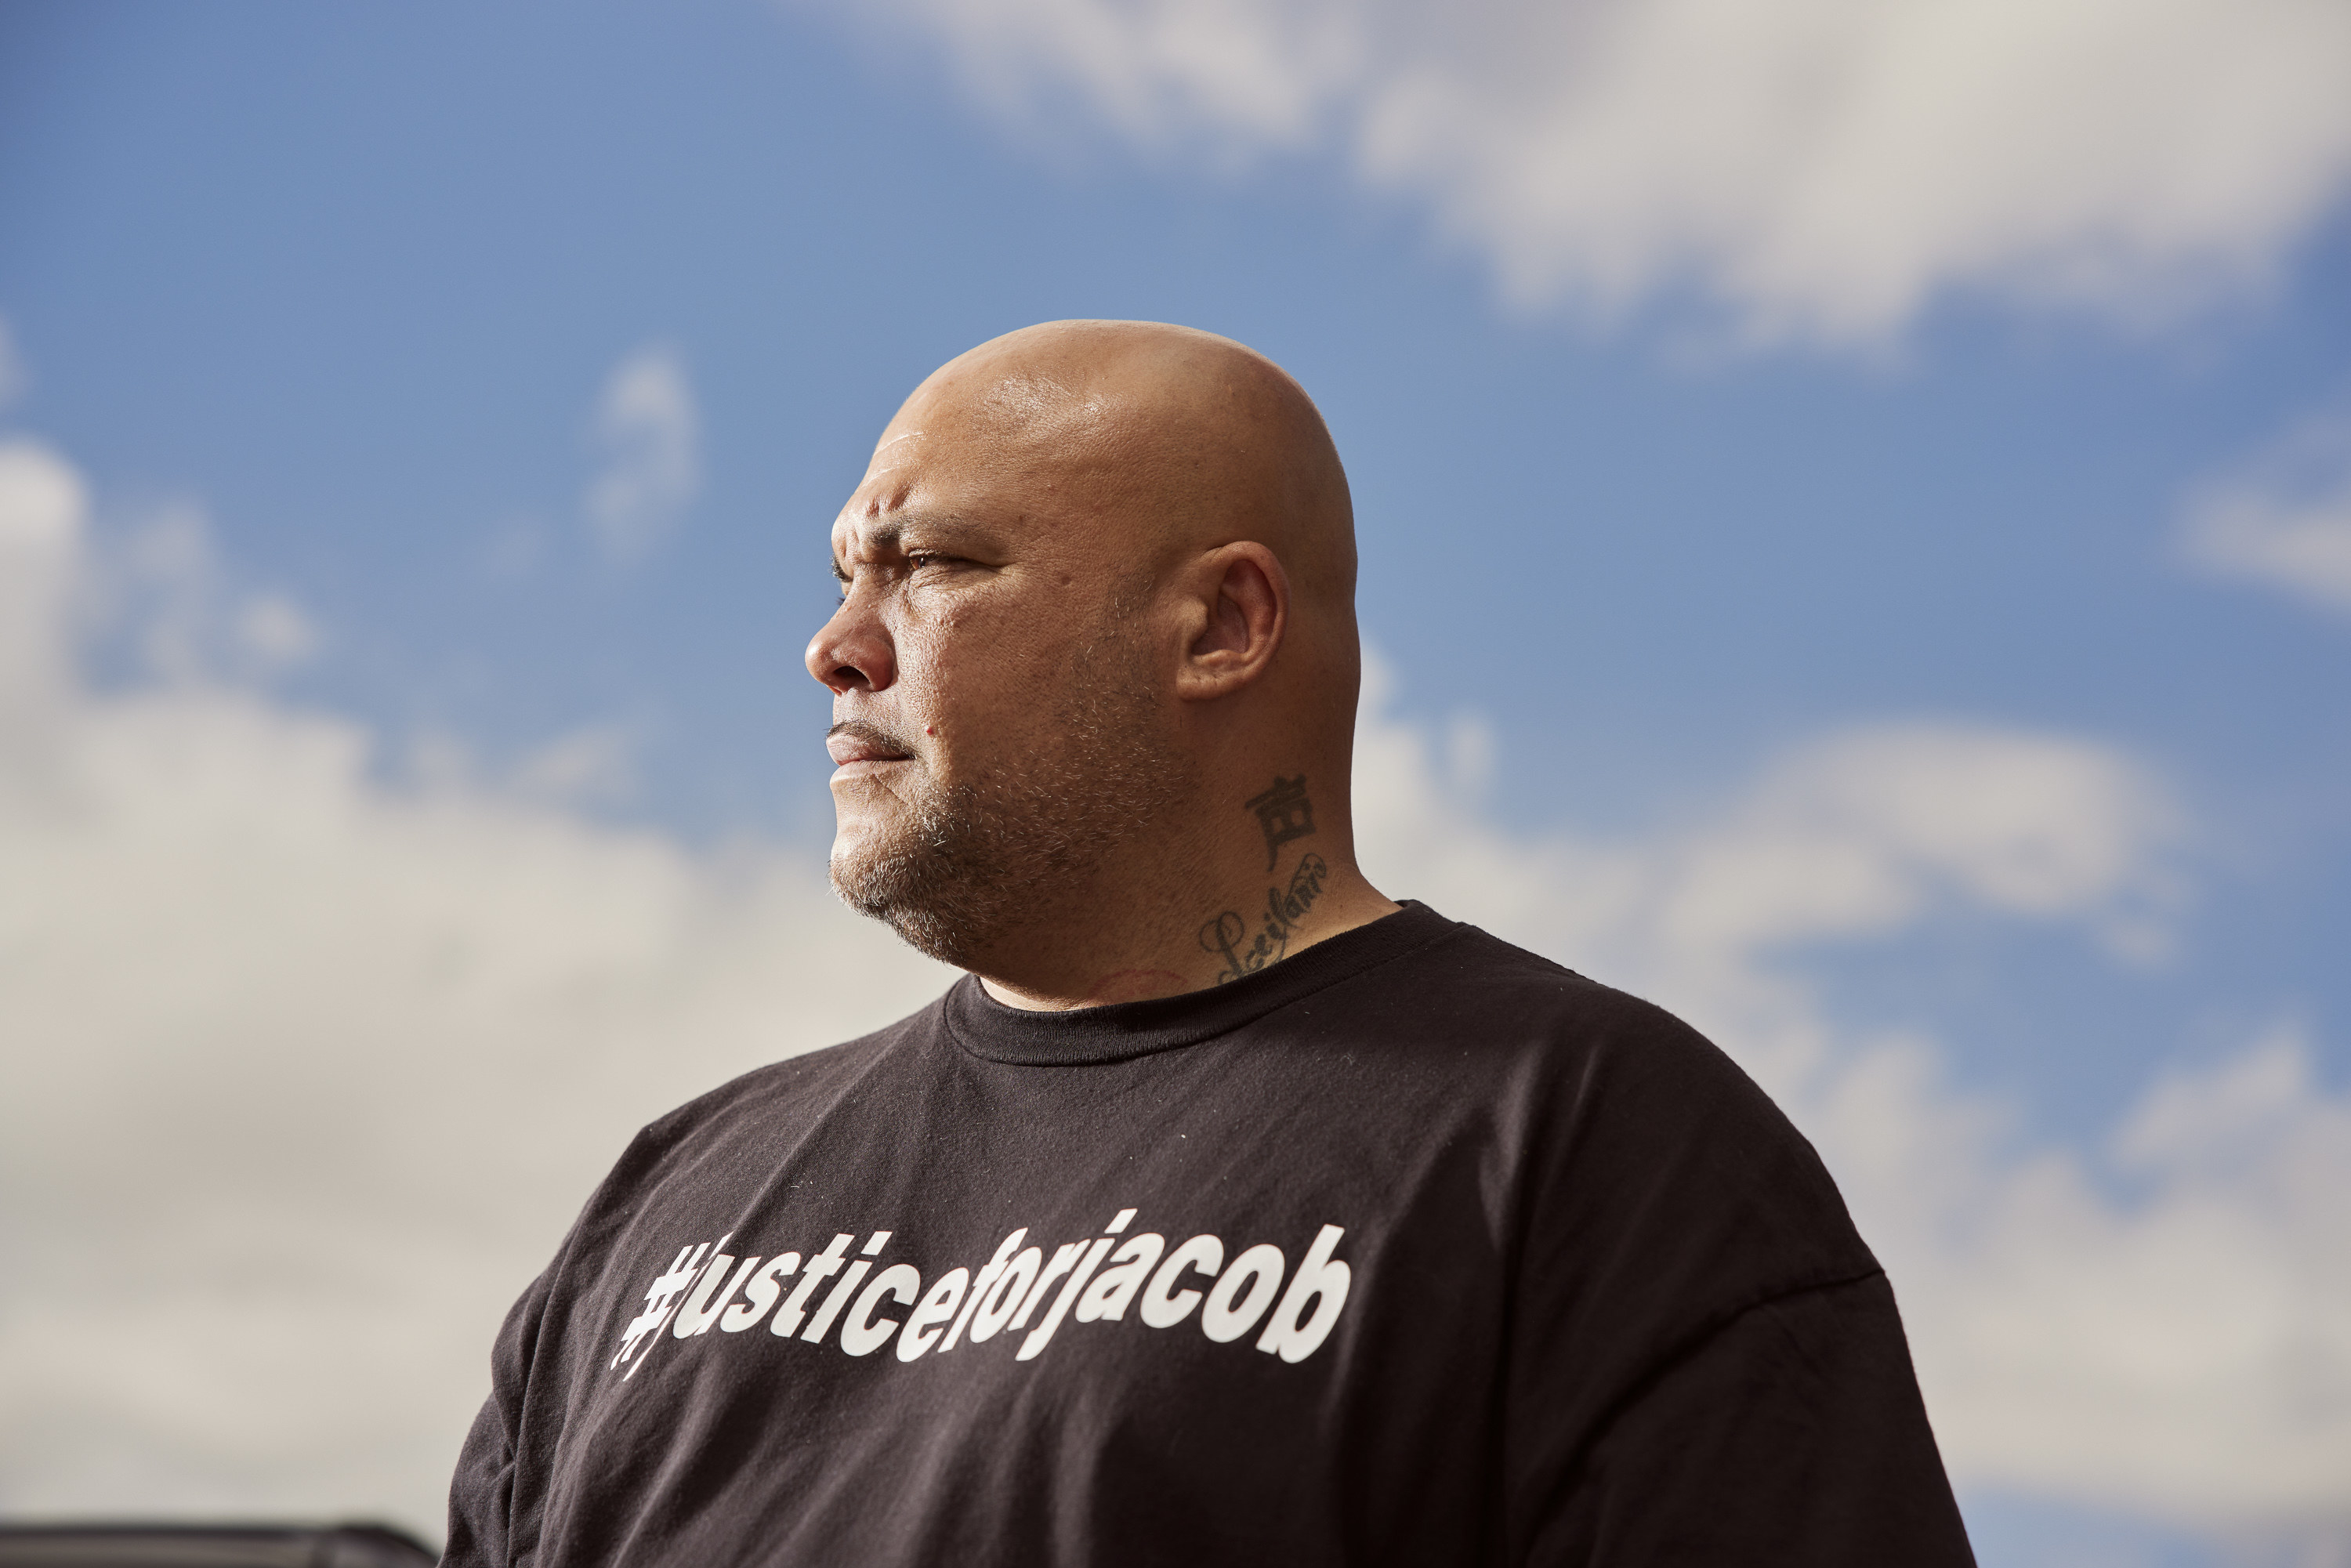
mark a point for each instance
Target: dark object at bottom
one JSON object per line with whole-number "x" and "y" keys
{"x": 209, "y": 1546}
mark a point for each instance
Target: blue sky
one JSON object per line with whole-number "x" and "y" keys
{"x": 352, "y": 284}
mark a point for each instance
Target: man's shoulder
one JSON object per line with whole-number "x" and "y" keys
{"x": 1596, "y": 1071}
{"x": 1487, "y": 996}
{"x": 1623, "y": 1114}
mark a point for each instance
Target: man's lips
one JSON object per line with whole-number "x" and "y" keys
{"x": 855, "y": 742}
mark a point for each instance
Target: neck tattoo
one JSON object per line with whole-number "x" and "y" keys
{"x": 1283, "y": 812}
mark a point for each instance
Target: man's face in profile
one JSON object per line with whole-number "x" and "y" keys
{"x": 998, "y": 723}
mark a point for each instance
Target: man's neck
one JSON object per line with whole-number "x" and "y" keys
{"x": 1258, "y": 888}
{"x": 1226, "y": 946}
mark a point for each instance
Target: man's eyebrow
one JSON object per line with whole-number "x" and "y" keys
{"x": 889, "y": 533}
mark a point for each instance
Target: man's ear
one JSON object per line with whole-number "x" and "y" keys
{"x": 1238, "y": 607}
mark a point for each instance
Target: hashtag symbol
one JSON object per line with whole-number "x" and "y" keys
{"x": 661, "y": 1299}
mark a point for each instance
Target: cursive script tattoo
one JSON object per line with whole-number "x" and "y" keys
{"x": 1285, "y": 813}
{"x": 1283, "y": 913}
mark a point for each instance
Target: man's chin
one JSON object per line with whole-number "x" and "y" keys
{"x": 927, "y": 918}
{"x": 858, "y": 870}
{"x": 869, "y": 830}
{"x": 873, "y": 870}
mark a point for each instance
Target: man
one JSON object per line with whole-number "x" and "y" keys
{"x": 1228, "y": 1211}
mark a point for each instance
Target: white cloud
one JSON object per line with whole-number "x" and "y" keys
{"x": 2284, "y": 520}
{"x": 160, "y": 589}
{"x": 41, "y": 504}
{"x": 273, "y": 629}
{"x": 596, "y": 765}
{"x": 1817, "y": 167}
{"x": 307, "y": 1070}
{"x": 2188, "y": 1353}
{"x": 1856, "y": 834}
{"x": 650, "y": 436}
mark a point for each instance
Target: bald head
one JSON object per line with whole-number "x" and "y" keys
{"x": 1164, "y": 440}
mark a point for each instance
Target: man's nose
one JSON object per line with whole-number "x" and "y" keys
{"x": 852, "y": 652}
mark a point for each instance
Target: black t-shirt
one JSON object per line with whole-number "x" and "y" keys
{"x": 1413, "y": 1248}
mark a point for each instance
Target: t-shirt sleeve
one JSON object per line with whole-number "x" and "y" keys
{"x": 481, "y": 1492}
{"x": 1793, "y": 1434}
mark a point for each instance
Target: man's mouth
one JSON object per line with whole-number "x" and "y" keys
{"x": 851, "y": 741}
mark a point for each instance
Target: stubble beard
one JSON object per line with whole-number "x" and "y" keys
{"x": 976, "y": 862}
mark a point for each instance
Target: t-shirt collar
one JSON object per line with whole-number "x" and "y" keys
{"x": 1082, "y": 1036}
